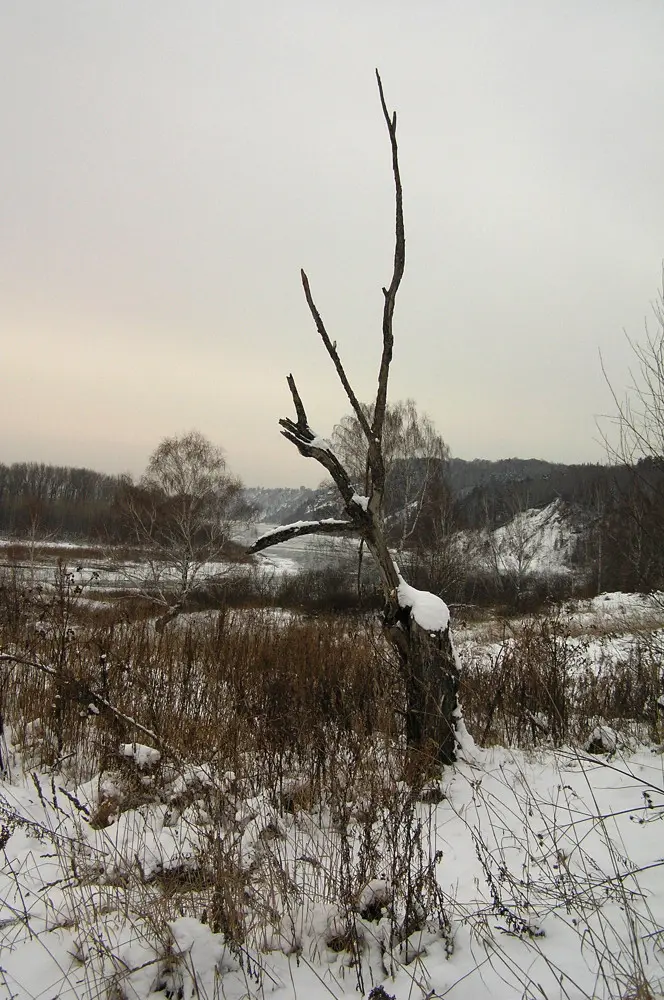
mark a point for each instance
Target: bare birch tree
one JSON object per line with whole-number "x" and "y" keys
{"x": 414, "y": 454}
{"x": 180, "y": 515}
{"x": 415, "y": 457}
{"x": 416, "y": 622}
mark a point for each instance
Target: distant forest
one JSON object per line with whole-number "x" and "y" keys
{"x": 39, "y": 500}
{"x": 485, "y": 493}
{"x": 493, "y": 491}
{"x": 78, "y": 503}
{"x": 618, "y": 511}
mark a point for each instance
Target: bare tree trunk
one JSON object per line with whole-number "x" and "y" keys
{"x": 432, "y": 682}
{"x": 360, "y": 558}
{"x": 426, "y": 654}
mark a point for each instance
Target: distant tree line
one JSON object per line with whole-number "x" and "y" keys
{"x": 41, "y": 499}
{"x": 617, "y": 512}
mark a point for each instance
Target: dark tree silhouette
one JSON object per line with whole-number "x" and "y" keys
{"x": 416, "y": 622}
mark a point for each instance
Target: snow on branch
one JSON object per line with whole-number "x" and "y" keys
{"x": 428, "y": 611}
{"x": 328, "y": 526}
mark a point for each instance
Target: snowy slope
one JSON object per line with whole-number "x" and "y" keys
{"x": 543, "y": 877}
{"x": 535, "y": 542}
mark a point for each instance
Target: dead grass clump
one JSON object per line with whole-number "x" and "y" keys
{"x": 547, "y": 684}
{"x": 105, "y": 812}
{"x": 214, "y": 688}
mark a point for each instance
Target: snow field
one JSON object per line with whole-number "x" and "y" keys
{"x": 536, "y": 874}
{"x": 138, "y": 871}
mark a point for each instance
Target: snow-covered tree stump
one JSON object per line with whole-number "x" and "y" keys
{"x": 421, "y": 635}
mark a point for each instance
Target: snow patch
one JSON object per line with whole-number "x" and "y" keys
{"x": 142, "y": 755}
{"x": 361, "y": 501}
{"x": 430, "y": 612}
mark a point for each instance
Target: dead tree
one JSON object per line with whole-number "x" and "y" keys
{"x": 416, "y": 622}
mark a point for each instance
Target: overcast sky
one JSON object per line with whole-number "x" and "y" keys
{"x": 167, "y": 168}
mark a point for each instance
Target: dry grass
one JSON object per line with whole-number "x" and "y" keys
{"x": 218, "y": 685}
{"x": 547, "y": 682}
{"x": 296, "y": 721}
{"x": 213, "y": 687}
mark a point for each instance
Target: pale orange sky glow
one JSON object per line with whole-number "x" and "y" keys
{"x": 168, "y": 168}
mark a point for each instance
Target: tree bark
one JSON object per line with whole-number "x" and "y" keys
{"x": 426, "y": 656}
{"x": 431, "y": 681}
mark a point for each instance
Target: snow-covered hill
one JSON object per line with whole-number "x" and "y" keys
{"x": 534, "y": 542}
{"x": 282, "y": 505}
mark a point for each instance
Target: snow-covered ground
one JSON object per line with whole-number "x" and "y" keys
{"x": 536, "y": 875}
{"x": 599, "y": 631}
{"x": 514, "y": 875}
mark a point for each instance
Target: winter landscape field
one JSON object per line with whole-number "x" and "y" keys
{"x": 225, "y": 808}
{"x": 397, "y": 733}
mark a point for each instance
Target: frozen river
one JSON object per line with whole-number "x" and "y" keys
{"x": 285, "y": 558}
{"x": 298, "y": 553}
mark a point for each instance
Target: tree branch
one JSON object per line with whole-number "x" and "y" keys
{"x": 399, "y": 265}
{"x": 311, "y": 446}
{"x": 334, "y": 354}
{"x": 302, "y": 421}
{"x": 331, "y": 526}
{"x": 84, "y": 695}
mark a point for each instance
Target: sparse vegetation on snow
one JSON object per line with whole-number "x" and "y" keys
{"x": 229, "y": 808}
{"x": 210, "y": 787}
